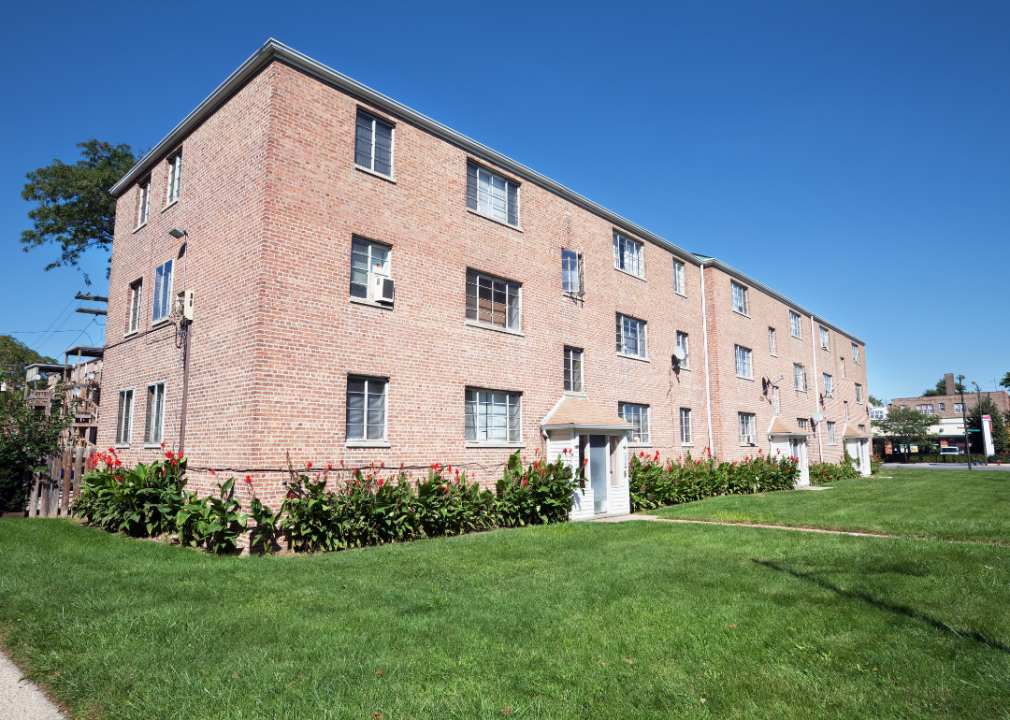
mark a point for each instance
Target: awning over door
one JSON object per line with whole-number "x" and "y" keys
{"x": 853, "y": 432}
{"x": 584, "y": 416}
{"x": 781, "y": 426}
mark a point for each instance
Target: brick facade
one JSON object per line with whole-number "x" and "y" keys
{"x": 271, "y": 199}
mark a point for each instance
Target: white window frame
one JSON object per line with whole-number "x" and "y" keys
{"x": 678, "y": 278}
{"x": 739, "y": 291}
{"x": 154, "y": 433}
{"x": 832, "y": 436}
{"x": 574, "y": 367}
{"x": 842, "y": 363}
{"x": 773, "y": 349}
{"x": 124, "y": 417}
{"x": 744, "y": 362}
{"x": 747, "y": 427}
{"x": 373, "y": 123}
{"x": 686, "y": 431}
{"x": 144, "y": 202}
{"x": 776, "y": 400}
{"x": 943, "y": 407}
{"x": 571, "y": 277}
{"x": 959, "y": 408}
{"x": 629, "y": 255}
{"x": 477, "y": 401}
{"x": 855, "y": 353}
{"x": 795, "y": 325}
{"x": 802, "y": 422}
{"x": 825, "y": 339}
{"x": 623, "y": 336}
{"x": 481, "y": 202}
{"x": 799, "y": 377}
{"x": 925, "y": 409}
{"x": 136, "y": 306}
{"x": 829, "y": 388}
{"x": 845, "y": 409}
{"x": 859, "y": 394}
{"x": 376, "y": 269}
{"x": 174, "y": 188}
{"x": 638, "y": 415}
{"x": 366, "y": 424}
{"x": 684, "y": 343}
{"x": 479, "y": 280}
{"x": 162, "y": 300}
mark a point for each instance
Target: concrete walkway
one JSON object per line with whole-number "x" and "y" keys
{"x": 947, "y": 466}
{"x": 625, "y": 518}
{"x": 21, "y": 699}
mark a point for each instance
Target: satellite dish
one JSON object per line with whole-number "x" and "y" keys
{"x": 679, "y": 354}
{"x": 817, "y": 417}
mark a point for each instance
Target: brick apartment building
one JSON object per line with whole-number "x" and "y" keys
{"x": 951, "y": 404}
{"x": 367, "y": 285}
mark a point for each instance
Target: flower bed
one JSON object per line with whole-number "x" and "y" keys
{"x": 655, "y": 484}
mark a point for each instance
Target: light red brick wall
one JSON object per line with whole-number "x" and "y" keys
{"x": 271, "y": 198}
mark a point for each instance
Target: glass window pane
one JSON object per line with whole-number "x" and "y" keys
{"x": 363, "y": 141}
{"x": 383, "y": 148}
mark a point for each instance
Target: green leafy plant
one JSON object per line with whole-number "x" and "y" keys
{"x": 216, "y": 522}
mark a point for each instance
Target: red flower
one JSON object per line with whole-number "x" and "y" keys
{"x": 163, "y": 444}
{"x": 309, "y": 464}
{"x": 169, "y": 455}
{"x": 291, "y": 495}
{"x": 118, "y": 463}
{"x": 174, "y": 463}
{"x": 524, "y": 482}
{"x": 381, "y": 481}
{"x": 329, "y": 466}
{"x": 248, "y": 480}
{"x": 212, "y": 471}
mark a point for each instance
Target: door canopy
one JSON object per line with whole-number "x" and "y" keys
{"x": 584, "y": 416}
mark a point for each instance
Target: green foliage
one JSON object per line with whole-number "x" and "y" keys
{"x": 905, "y": 426}
{"x": 263, "y": 535}
{"x": 15, "y": 357}
{"x": 875, "y": 462}
{"x": 654, "y": 484}
{"x": 828, "y": 473}
{"x": 1005, "y": 382}
{"x": 144, "y": 501}
{"x": 216, "y": 522}
{"x": 536, "y": 494}
{"x": 73, "y": 205}
{"x": 941, "y": 388}
{"x": 27, "y": 439}
{"x": 999, "y": 426}
{"x": 875, "y": 402}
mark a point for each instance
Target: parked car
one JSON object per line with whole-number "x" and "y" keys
{"x": 951, "y": 450}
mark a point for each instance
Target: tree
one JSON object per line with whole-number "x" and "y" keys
{"x": 941, "y": 388}
{"x": 999, "y": 426}
{"x": 15, "y": 356}
{"x": 74, "y": 206}
{"x": 905, "y": 427}
{"x": 875, "y": 402}
{"x": 1005, "y": 382}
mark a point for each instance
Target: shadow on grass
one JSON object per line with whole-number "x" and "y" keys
{"x": 980, "y": 638}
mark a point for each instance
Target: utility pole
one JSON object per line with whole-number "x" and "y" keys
{"x": 964, "y": 420}
{"x": 978, "y": 390}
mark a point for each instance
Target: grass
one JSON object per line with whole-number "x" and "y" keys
{"x": 949, "y": 504}
{"x": 716, "y": 621}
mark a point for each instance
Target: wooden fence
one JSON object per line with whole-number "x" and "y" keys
{"x": 52, "y": 490}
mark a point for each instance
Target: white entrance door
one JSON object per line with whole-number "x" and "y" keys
{"x": 599, "y": 471}
{"x": 798, "y": 449}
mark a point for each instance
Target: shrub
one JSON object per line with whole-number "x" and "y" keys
{"x": 875, "y": 462}
{"x": 214, "y": 522}
{"x": 827, "y": 473}
{"x": 654, "y": 484}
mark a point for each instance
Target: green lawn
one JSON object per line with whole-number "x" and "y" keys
{"x": 757, "y": 623}
{"x": 953, "y": 504}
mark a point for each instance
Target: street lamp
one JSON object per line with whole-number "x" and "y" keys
{"x": 964, "y": 420}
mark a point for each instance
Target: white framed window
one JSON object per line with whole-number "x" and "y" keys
{"x": 678, "y": 278}
{"x": 683, "y": 342}
{"x": 491, "y": 194}
{"x": 628, "y": 255}
{"x": 958, "y": 408}
{"x": 845, "y": 409}
{"x": 795, "y": 326}
{"x": 829, "y": 390}
{"x": 825, "y": 339}
{"x": 862, "y": 428}
{"x": 943, "y": 407}
{"x": 638, "y": 416}
{"x": 841, "y": 362}
{"x": 373, "y": 144}
{"x": 776, "y": 405}
{"x": 772, "y": 347}
{"x": 493, "y": 301}
{"x": 124, "y": 418}
{"x": 802, "y": 422}
{"x": 174, "y": 178}
{"x": 366, "y": 408}
{"x": 832, "y": 438}
{"x": 685, "y": 427}
{"x": 571, "y": 272}
{"x": 631, "y": 337}
{"x": 859, "y": 394}
{"x": 573, "y": 370}
{"x": 747, "y": 423}
{"x": 741, "y": 303}
{"x": 744, "y": 366}
{"x": 370, "y": 269}
{"x": 136, "y": 299}
{"x": 143, "y": 202}
{"x": 799, "y": 377}
{"x": 855, "y": 353}
{"x": 493, "y": 416}
{"x": 162, "y": 291}
{"x": 924, "y": 409}
{"x": 154, "y": 423}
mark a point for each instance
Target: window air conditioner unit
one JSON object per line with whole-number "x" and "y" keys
{"x": 383, "y": 290}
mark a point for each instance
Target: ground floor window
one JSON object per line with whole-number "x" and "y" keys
{"x": 493, "y": 416}
{"x": 154, "y": 424}
{"x": 638, "y": 416}
{"x": 124, "y": 419}
{"x": 366, "y": 408}
{"x": 685, "y": 426}
{"x": 748, "y": 428}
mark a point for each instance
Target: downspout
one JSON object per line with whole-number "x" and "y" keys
{"x": 704, "y": 332}
{"x": 813, "y": 348}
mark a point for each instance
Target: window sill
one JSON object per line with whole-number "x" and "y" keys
{"x": 630, "y": 274}
{"x": 370, "y": 303}
{"x": 131, "y": 333}
{"x": 159, "y": 323}
{"x": 152, "y": 446}
{"x": 687, "y": 444}
{"x": 121, "y": 446}
{"x": 174, "y": 202}
{"x": 495, "y": 328}
{"x": 799, "y": 390}
{"x": 573, "y": 394}
{"x": 140, "y": 227}
{"x": 478, "y": 213}
{"x": 796, "y": 337}
{"x": 574, "y": 294}
{"x": 367, "y": 444}
{"x": 387, "y": 178}
{"x": 741, "y": 377}
{"x": 684, "y": 367}
{"x": 742, "y": 314}
{"x": 634, "y": 357}
{"x": 494, "y": 445}
{"x": 683, "y": 295}
{"x": 633, "y": 445}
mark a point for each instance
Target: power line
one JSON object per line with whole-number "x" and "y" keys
{"x": 29, "y": 332}
{"x": 59, "y": 316}
{"x": 38, "y": 343}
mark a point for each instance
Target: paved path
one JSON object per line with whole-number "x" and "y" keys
{"x": 625, "y": 518}
{"x": 21, "y": 699}
{"x": 946, "y": 466}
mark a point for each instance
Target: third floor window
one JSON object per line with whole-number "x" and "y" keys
{"x": 571, "y": 272}
{"x": 628, "y": 255}
{"x": 491, "y": 194}
{"x": 493, "y": 301}
{"x": 174, "y": 178}
{"x": 373, "y": 144}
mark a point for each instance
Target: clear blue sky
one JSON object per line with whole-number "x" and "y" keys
{"x": 853, "y": 155}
